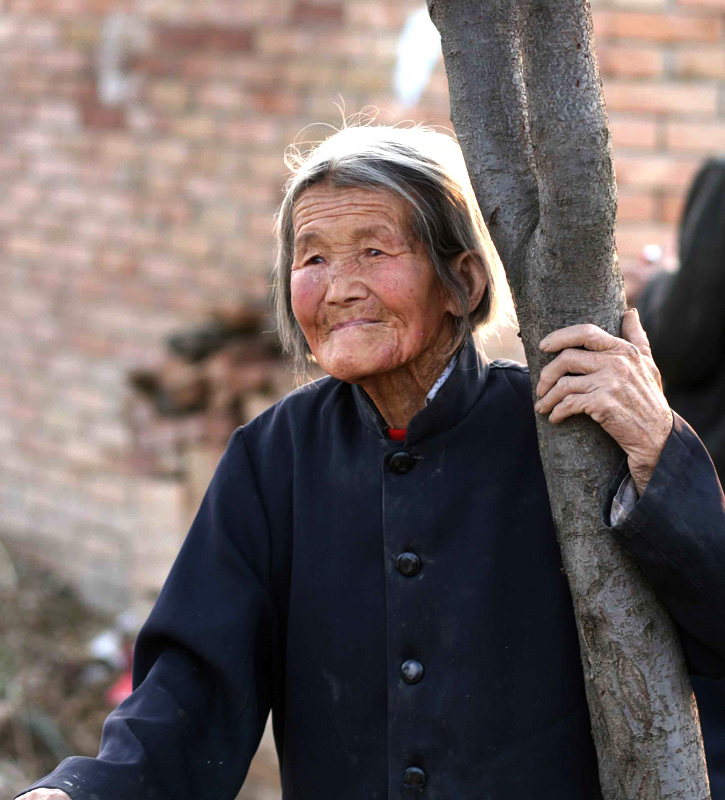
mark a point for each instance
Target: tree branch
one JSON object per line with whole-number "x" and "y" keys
{"x": 572, "y": 159}
{"x": 484, "y": 61}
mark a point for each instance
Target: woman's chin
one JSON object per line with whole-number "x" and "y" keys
{"x": 352, "y": 374}
{"x": 355, "y": 369}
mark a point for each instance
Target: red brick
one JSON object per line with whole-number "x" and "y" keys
{"x": 363, "y": 13}
{"x": 663, "y": 98}
{"x": 27, "y": 246}
{"x": 699, "y": 62}
{"x": 636, "y": 206}
{"x": 633, "y": 131}
{"x": 203, "y": 37}
{"x": 71, "y": 198}
{"x": 702, "y": 137}
{"x": 158, "y": 64}
{"x": 633, "y": 5}
{"x": 654, "y": 171}
{"x": 276, "y": 102}
{"x": 710, "y": 5}
{"x": 269, "y": 12}
{"x": 222, "y": 96}
{"x": 170, "y": 95}
{"x": 631, "y": 237}
{"x": 39, "y": 33}
{"x": 190, "y": 243}
{"x": 168, "y": 151}
{"x": 634, "y": 62}
{"x": 285, "y": 42}
{"x": 60, "y": 61}
{"x": 57, "y": 114}
{"x": 301, "y": 72}
{"x": 366, "y": 80}
{"x": 329, "y": 11}
{"x": 96, "y": 115}
{"x": 656, "y": 27}
{"x": 671, "y": 206}
{"x": 83, "y": 32}
{"x": 196, "y": 127}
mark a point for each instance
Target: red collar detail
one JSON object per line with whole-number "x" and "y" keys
{"x": 397, "y": 434}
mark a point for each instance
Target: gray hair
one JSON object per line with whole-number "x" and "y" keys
{"x": 426, "y": 169}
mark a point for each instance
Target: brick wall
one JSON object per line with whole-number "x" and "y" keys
{"x": 662, "y": 66}
{"x": 140, "y": 166}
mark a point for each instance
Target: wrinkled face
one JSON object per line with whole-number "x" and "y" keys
{"x": 363, "y": 290}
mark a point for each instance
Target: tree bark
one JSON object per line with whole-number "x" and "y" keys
{"x": 527, "y": 108}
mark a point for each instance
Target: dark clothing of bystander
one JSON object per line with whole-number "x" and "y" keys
{"x": 684, "y": 316}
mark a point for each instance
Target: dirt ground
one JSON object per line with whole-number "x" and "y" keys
{"x": 52, "y": 692}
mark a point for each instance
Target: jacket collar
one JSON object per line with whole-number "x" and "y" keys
{"x": 451, "y": 403}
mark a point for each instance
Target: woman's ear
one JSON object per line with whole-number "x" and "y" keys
{"x": 470, "y": 270}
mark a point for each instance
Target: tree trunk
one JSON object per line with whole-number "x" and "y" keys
{"x": 527, "y": 109}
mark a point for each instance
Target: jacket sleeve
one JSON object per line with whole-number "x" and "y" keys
{"x": 676, "y": 532}
{"x": 201, "y": 664}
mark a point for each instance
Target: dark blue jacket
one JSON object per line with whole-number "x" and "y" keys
{"x": 401, "y": 608}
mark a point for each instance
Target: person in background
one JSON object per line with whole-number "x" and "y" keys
{"x": 683, "y": 313}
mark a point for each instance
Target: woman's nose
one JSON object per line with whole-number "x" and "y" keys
{"x": 344, "y": 286}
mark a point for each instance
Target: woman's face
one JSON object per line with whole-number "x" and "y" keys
{"x": 363, "y": 289}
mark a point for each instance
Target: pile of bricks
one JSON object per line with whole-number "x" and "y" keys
{"x": 216, "y": 376}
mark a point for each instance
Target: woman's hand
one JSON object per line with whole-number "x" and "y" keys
{"x": 614, "y": 381}
{"x": 45, "y": 794}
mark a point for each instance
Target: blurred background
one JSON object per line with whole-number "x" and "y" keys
{"x": 141, "y": 163}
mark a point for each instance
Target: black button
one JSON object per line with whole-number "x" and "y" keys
{"x": 408, "y": 564}
{"x": 411, "y": 671}
{"x": 401, "y": 462}
{"x": 414, "y": 776}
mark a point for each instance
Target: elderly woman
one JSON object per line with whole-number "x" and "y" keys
{"x": 375, "y": 558}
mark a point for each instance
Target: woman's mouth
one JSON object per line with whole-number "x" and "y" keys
{"x": 353, "y": 322}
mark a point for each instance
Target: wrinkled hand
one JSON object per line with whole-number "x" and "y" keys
{"x": 614, "y": 381}
{"x": 45, "y": 794}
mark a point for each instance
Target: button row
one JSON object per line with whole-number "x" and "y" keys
{"x": 411, "y": 671}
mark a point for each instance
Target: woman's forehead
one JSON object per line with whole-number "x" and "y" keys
{"x": 324, "y": 208}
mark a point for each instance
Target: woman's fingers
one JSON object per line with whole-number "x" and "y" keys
{"x": 578, "y": 362}
{"x": 566, "y": 385}
{"x": 597, "y": 405}
{"x": 588, "y": 336}
{"x": 633, "y": 332}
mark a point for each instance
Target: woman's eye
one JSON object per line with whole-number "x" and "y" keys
{"x": 314, "y": 260}
{"x": 373, "y": 251}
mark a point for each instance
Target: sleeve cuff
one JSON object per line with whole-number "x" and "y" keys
{"x": 676, "y": 533}
{"x": 624, "y": 509}
{"x": 624, "y": 501}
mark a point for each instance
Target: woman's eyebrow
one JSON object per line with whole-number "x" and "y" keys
{"x": 373, "y": 231}
{"x": 306, "y": 239}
